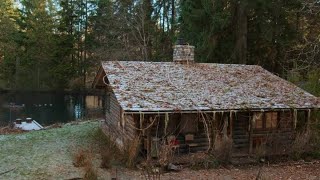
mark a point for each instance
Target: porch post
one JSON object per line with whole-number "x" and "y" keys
{"x": 141, "y": 123}
{"x": 308, "y": 118}
{"x": 250, "y": 134}
{"x": 295, "y": 116}
{"x": 214, "y": 118}
{"x": 231, "y": 124}
{"x": 148, "y": 144}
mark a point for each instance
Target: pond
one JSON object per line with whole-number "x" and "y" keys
{"x": 49, "y": 107}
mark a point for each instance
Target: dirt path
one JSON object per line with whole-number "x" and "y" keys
{"x": 298, "y": 171}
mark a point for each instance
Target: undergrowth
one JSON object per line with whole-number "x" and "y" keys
{"x": 208, "y": 162}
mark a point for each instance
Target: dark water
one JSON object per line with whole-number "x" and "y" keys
{"x": 49, "y": 108}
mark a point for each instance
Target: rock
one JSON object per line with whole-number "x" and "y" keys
{"x": 172, "y": 167}
{"x": 227, "y": 177}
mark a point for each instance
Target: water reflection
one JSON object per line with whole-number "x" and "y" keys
{"x": 49, "y": 108}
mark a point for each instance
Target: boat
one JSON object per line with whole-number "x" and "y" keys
{"x": 27, "y": 125}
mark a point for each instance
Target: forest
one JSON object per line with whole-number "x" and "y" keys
{"x": 58, "y": 44}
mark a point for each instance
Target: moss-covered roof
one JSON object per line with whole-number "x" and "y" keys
{"x": 167, "y": 86}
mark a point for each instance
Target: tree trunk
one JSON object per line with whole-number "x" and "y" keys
{"x": 240, "y": 52}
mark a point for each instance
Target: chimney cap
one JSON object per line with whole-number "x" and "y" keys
{"x": 181, "y": 41}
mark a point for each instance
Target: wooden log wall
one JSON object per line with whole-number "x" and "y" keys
{"x": 113, "y": 110}
{"x": 276, "y": 140}
{"x": 119, "y": 127}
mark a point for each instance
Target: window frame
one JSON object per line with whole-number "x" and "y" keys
{"x": 274, "y": 120}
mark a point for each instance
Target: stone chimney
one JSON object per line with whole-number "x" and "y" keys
{"x": 183, "y": 53}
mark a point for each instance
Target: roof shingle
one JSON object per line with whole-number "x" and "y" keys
{"x": 167, "y": 86}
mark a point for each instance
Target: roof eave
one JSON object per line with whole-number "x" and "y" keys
{"x": 97, "y": 77}
{"x": 215, "y": 110}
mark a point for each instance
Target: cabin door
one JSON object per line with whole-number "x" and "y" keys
{"x": 240, "y": 132}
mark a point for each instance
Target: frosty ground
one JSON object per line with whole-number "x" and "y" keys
{"x": 48, "y": 154}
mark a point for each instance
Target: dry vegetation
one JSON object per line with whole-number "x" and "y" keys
{"x": 223, "y": 149}
{"x": 301, "y": 144}
{"x": 106, "y": 157}
{"x": 9, "y": 130}
{"x": 83, "y": 151}
{"x": 131, "y": 152}
{"x": 81, "y": 158}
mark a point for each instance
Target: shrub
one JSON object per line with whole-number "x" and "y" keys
{"x": 260, "y": 151}
{"x": 131, "y": 151}
{"x": 223, "y": 149}
{"x": 315, "y": 138}
{"x": 165, "y": 154}
{"x": 205, "y": 162}
{"x": 90, "y": 173}
{"x": 300, "y": 144}
{"x": 81, "y": 158}
{"x": 106, "y": 157}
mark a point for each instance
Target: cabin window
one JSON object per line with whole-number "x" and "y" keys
{"x": 267, "y": 120}
{"x": 258, "y": 120}
{"x": 271, "y": 119}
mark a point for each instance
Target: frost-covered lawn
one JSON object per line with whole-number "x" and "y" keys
{"x": 46, "y": 154}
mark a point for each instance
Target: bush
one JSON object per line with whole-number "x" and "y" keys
{"x": 260, "y": 151}
{"x": 106, "y": 157}
{"x": 223, "y": 149}
{"x": 81, "y": 158}
{"x": 300, "y": 144}
{"x": 165, "y": 154}
{"x": 131, "y": 151}
{"x": 315, "y": 138}
{"x": 206, "y": 162}
{"x": 90, "y": 173}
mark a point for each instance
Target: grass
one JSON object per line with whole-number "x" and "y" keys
{"x": 46, "y": 154}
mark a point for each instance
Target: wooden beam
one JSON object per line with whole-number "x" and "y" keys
{"x": 308, "y": 118}
{"x": 214, "y": 123}
{"x": 166, "y": 122}
{"x": 148, "y": 145}
{"x": 295, "y": 116}
{"x": 231, "y": 123}
{"x": 251, "y": 123}
{"x": 141, "y": 123}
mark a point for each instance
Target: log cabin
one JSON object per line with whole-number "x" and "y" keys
{"x": 191, "y": 104}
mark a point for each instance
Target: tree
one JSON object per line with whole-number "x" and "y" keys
{"x": 246, "y": 31}
{"x": 208, "y": 26}
{"x": 37, "y": 28}
{"x": 8, "y": 46}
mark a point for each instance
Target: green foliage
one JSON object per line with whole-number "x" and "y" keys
{"x": 41, "y": 57}
{"x": 271, "y": 32}
{"x": 313, "y": 82}
{"x": 206, "y": 24}
{"x": 45, "y": 44}
{"x": 309, "y": 81}
{"x": 212, "y": 27}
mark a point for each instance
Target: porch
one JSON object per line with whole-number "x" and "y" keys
{"x": 274, "y": 131}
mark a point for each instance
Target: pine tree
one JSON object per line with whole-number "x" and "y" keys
{"x": 8, "y": 46}
{"x": 207, "y": 25}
